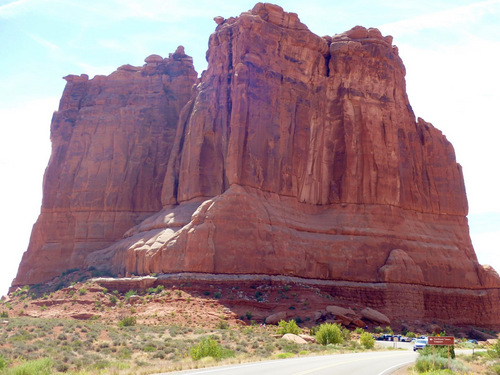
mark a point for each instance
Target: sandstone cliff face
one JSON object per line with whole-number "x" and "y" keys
{"x": 325, "y": 120}
{"x": 294, "y": 155}
{"x": 316, "y": 162}
{"x": 111, "y": 140}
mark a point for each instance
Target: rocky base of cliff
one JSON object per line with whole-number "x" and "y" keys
{"x": 205, "y": 299}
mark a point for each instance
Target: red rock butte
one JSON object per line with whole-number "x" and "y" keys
{"x": 293, "y": 155}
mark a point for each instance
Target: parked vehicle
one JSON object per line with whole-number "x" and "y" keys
{"x": 385, "y": 338}
{"x": 419, "y": 344}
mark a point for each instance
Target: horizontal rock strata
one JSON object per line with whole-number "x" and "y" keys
{"x": 293, "y": 155}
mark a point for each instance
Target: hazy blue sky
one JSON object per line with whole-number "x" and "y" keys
{"x": 451, "y": 50}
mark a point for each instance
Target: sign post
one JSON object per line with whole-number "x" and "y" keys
{"x": 441, "y": 340}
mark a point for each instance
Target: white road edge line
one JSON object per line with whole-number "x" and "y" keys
{"x": 393, "y": 367}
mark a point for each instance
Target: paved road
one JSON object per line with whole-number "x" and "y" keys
{"x": 372, "y": 363}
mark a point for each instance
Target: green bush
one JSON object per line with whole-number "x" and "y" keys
{"x": 288, "y": 327}
{"x": 426, "y": 363}
{"x": 494, "y": 352}
{"x": 222, "y": 324}
{"x": 3, "y": 362}
{"x": 346, "y": 334}
{"x": 329, "y": 334}
{"x": 495, "y": 368}
{"x": 128, "y": 321}
{"x": 37, "y": 367}
{"x": 439, "y": 350}
{"x": 430, "y": 364}
{"x": 156, "y": 290}
{"x": 208, "y": 347}
{"x": 359, "y": 330}
{"x": 367, "y": 340}
{"x": 378, "y": 329}
{"x": 284, "y": 355}
{"x": 411, "y": 335}
{"x": 389, "y": 330}
{"x": 113, "y": 299}
{"x": 129, "y": 294}
{"x": 4, "y": 314}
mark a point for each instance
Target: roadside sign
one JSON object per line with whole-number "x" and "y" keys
{"x": 444, "y": 340}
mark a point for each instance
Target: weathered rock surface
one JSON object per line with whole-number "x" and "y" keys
{"x": 375, "y": 316}
{"x": 294, "y": 155}
{"x": 276, "y": 317}
{"x": 294, "y": 338}
{"x": 111, "y": 141}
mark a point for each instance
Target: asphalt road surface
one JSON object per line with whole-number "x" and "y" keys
{"x": 372, "y": 363}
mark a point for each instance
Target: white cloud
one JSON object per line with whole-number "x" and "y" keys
{"x": 13, "y": 8}
{"x": 43, "y": 42}
{"x": 455, "y": 88}
{"x": 442, "y": 19}
{"x": 25, "y": 149}
{"x": 487, "y": 248}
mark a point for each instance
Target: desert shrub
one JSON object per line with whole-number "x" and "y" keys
{"x": 378, "y": 329}
{"x": 128, "y": 321}
{"x": 430, "y": 364}
{"x": 367, "y": 340}
{"x": 3, "y": 362}
{"x": 284, "y": 355}
{"x": 346, "y": 334}
{"x": 222, "y": 324}
{"x": 36, "y": 367}
{"x": 156, "y": 290}
{"x": 439, "y": 350}
{"x": 389, "y": 330}
{"x": 4, "y": 314}
{"x": 288, "y": 327}
{"x": 329, "y": 334}
{"x": 208, "y": 347}
{"x": 288, "y": 346}
{"x": 494, "y": 352}
{"x": 129, "y": 294}
{"x": 113, "y": 299}
{"x": 495, "y": 369}
{"x": 359, "y": 330}
{"x": 411, "y": 335}
{"x": 426, "y": 363}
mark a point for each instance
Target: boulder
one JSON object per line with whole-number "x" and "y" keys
{"x": 134, "y": 299}
{"x": 294, "y": 338}
{"x": 153, "y": 59}
{"x": 83, "y": 316}
{"x": 308, "y": 338}
{"x": 317, "y": 315}
{"x": 346, "y": 316}
{"x": 218, "y": 20}
{"x": 359, "y": 323}
{"x": 375, "y": 316}
{"x": 276, "y": 317}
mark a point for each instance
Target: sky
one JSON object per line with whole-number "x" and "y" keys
{"x": 451, "y": 50}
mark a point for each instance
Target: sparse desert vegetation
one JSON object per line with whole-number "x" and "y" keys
{"x": 47, "y": 346}
{"x": 88, "y": 329}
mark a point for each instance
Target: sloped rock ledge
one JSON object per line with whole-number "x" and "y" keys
{"x": 402, "y": 303}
